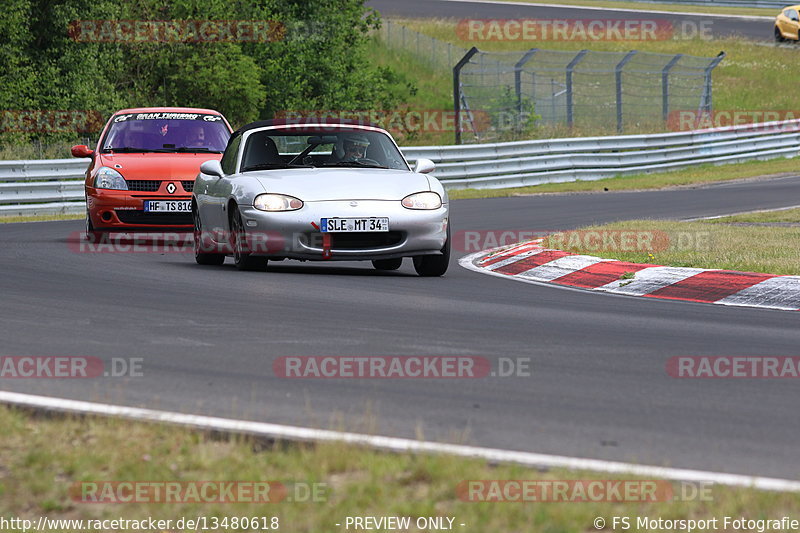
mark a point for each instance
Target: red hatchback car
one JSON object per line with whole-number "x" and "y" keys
{"x": 142, "y": 173}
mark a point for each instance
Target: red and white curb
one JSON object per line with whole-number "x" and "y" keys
{"x": 530, "y": 262}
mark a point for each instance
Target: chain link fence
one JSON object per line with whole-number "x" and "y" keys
{"x": 505, "y": 95}
{"x": 428, "y": 50}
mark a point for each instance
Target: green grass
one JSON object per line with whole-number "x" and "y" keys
{"x": 50, "y": 150}
{"x": 43, "y": 457}
{"x": 434, "y": 90}
{"x": 790, "y": 216}
{"x": 750, "y": 79}
{"x": 39, "y": 218}
{"x": 718, "y": 244}
{"x": 679, "y": 178}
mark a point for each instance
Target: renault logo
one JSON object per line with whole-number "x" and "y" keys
{"x": 353, "y": 204}
{"x": 171, "y": 188}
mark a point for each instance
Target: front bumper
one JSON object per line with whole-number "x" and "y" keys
{"x": 296, "y": 235}
{"x": 113, "y": 210}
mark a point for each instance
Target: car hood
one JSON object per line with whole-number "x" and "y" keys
{"x": 180, "y": 166}
{"x": 318, "y": 184}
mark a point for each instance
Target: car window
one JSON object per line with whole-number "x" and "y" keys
{"x": 275, "y": 148}
{"x": 228, "y": 161}
{"x": 166, "y": 132}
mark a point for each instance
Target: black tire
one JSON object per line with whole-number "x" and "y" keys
{"x": 201, "y": 257}
{"x": 778, "y": 36}
{"x": 241, "y": 257}
{"x": 387, "y": 264}
{"x": 92, "y": 235}
{"x": 430, "y": 266}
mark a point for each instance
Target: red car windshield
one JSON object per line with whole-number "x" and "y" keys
{"x": 166, "y": 132}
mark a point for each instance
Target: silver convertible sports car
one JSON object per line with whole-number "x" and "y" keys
{"x": 319, "y": 191}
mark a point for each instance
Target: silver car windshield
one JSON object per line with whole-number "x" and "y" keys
{"x": 324, "y": 147}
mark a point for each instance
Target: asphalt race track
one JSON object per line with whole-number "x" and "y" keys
{"x": 598, "y": 389}
{"x": 755, "y": 29}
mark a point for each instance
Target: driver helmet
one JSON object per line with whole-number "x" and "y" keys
{"x": 356, "y": 144}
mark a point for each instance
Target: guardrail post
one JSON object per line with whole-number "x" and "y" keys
{"x": 618, "y": 79}
{"x": 665, "y": 86}
{"x": 707, "y": 101}
{"x": 457, "y": 89}
{"x": 518, "y": 77}
{"x": 570, "y": 68}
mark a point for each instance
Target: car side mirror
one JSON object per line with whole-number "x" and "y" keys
{"x": 424, "y": 166}
{"x": 212, "y": 168}
{"x": 81, "y": 150}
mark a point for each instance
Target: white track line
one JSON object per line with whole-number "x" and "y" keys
{"x": 278, "y": 431}
{"x": 627, "y": 10}
{"x": 741, "y": 213}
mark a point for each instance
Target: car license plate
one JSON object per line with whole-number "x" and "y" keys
{"x": 167, "y": 206}
{"x": 342, "y": 225}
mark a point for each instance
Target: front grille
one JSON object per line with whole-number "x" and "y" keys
{"x": 188, "y": 186}
{"x": 359, "y": 240}
{"x": 144, "y": 185}
{"x": 155, "y": 219}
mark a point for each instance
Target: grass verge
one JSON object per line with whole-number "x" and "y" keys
{"x": 43, "y": 457}
{"x": 40, "y": 218}
{"x": 645, "y": 7}
{"x": 688, "y": 177}
{"x": 731, "y": 243}
{"x": 751, "y": 80}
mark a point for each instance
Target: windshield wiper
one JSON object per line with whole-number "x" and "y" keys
{"x": 273, "y": 166}
{"x": 192, "y": 149}
{"x": 352, "y": 164}
{"x": 131, "y": 149}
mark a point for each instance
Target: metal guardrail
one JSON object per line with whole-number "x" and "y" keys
{"x": 523, "y": 163}
{"x": 56, "y": 186}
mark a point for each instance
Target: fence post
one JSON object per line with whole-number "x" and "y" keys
{"x": 570, "y": 68}
{"x": 665, "y": 86}
{"x": 518, "y": 77}
{"x": 457, "y": 89}
{"x": 706, "y": 104}
{"x": 618, "y": 80}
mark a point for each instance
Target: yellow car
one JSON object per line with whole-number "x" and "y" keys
{"x": 787, "y": 24}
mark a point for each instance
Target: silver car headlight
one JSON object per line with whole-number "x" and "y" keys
{"x": 277, "y": 202}
{"x": 108, "y": 178}
{"x": 422, "y": 200}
